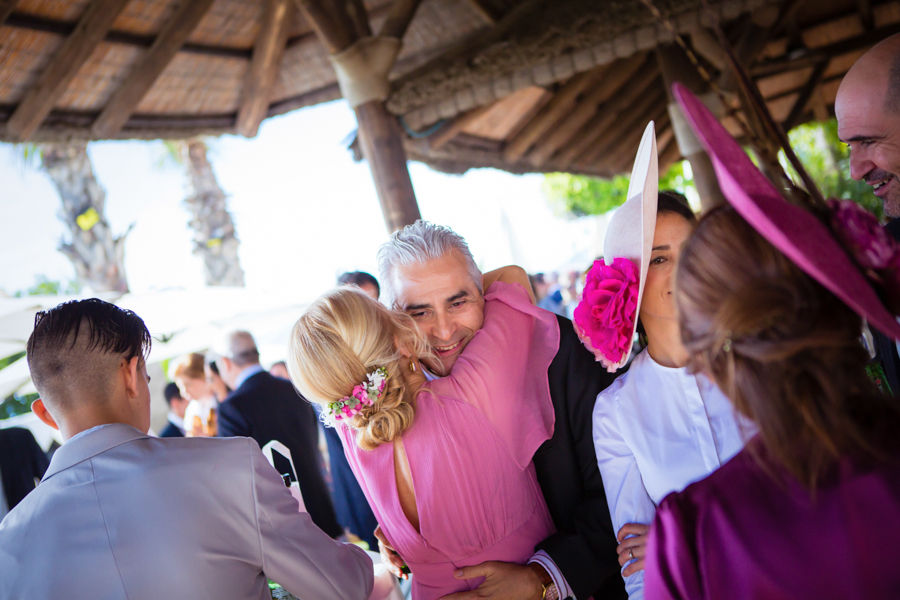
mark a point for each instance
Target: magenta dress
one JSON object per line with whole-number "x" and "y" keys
{"x": 739, "y": 535}
{"x": 469, "y": 450}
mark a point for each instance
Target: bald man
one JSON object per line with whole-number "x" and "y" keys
{"x": 868, "y": 113}
{"x": 266, "y": 408}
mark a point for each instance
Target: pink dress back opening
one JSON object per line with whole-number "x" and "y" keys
{"x": 469, "y": 451}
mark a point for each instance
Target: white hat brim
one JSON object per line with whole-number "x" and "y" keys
{"x": 631, "y": 229}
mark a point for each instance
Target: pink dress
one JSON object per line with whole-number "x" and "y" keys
{"x": 469, "y": 451}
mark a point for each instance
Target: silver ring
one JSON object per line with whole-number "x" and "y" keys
{"x": 631, "y": 553}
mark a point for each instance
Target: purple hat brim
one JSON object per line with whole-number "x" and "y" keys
{"x": 796, "y": 232}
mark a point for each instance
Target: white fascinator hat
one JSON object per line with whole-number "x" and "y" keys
{"x": 607, "y": 316}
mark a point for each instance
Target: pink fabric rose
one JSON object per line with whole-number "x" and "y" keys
{"x": 607, "y": 312}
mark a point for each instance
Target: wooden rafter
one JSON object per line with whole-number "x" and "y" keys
{"x": 451, "y": 130}
{"x": 400, "y": 15}
{"x": 359, "y": 19}
{"x": 267, "y": 54}
{"x": 329, "y": 27}
{"x": 166, "y": 45}
{"x": 64, "y": 65}
{"x": 586, "y": 108}
{"x": 559, "y": 105}
{"x": 635, "y": 118}
{"x": 6, "y": 9}
{"x": 489, "y": 13}
{"x": 668, "y": 153}
{"x": 805, "y": 94}
{"x": 608, "y": 114}
{"x": 865, "y": 14}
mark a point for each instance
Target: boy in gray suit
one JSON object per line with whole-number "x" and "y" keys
{"x": 120, "y": 514}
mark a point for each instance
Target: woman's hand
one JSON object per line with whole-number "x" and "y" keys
{"x": 632, "y": 548}
{"x": 389, "y": 556}
{"x": 510, "y": 274}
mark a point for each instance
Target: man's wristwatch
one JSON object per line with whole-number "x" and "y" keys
{"x": 550, "y": 592}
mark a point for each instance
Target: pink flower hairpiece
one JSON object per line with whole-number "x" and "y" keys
{"x": 363, "y": 394}
{"x": 607, "y": 313}
{"x": 876, "y": 253}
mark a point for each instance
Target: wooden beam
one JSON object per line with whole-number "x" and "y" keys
{"x": 558, "y": 106}
{"x": 669, "y": 154}
{"x": 382, "y": 147}
{"x": 805, "y": 94}
{"x": 329, "y": 29}
{"x": 129, "y": 94}
{"x": 634, "y": 120}
{"x": 6, "y": 9}
{"x": 399, "y": 16}
{"x": 588, "y": 135}
{"x": 267, "y": 54}
{"x": 359, "y": 18}
{"x": 865, "y": 14}
{"x": 489, "y": 13}
{"x": 451, "y": 130}
{"x": 601, "y": 92}
{"x": 63, "y": 66}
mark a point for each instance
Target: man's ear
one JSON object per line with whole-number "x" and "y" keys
{"x": 38, "y": 408}
{"x": 130, "y": 370}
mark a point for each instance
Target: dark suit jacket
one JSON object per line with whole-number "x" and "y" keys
{"x": 21, "y": 462}
{"x": 170, "y": 431}
{"x": 885, "y": 346}
{"x": 267, "y": 408}
{"x": 584, "y": 547}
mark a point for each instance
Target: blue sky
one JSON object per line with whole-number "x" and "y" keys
{"x": 303, "y": 210}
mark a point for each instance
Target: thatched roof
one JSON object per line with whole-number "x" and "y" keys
{"x": 523, "y": 85}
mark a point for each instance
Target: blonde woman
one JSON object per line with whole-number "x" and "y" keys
{"x": 200, "y": 415}
{"x": 445, "y": 464}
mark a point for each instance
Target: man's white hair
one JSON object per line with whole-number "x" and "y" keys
{"x": 239, "y": 347}
{"x": 417, "y": 244}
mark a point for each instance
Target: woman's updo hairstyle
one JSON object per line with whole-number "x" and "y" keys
{"x": 785, "y": 350}
{"x": 341, "y": 338}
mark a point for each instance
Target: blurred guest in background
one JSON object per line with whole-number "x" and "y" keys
{"x": 267, "y": 408}
{"x": 363, "y": 281}
{"x": 200, "y": 414}
{"x": 22, "y": 464}
{"x": 279, "y": 369}
{"x": 218, "y": 386}
{"x": 539, "y": 285}
{"x": 177, "y": 405}
{"x": 553, "y": 300}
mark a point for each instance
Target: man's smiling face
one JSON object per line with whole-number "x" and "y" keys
{"x": 442, "y": 298}
{"x": 869, "y": 123}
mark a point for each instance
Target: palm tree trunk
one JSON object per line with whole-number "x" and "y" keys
{"x": 98, "y": 256}
{"x": 214, "y": 237}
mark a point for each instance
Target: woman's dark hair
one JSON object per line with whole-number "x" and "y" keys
{"x": 668, "y": 202}
{"x": 785, "y": 350}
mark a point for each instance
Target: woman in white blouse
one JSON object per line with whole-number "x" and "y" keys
{"x": 658, "y": 428}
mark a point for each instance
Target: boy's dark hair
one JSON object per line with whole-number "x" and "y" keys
{"x": 76, "y": 346}
{"x": 358, "y": 278}
{"x": 171, "y": 392}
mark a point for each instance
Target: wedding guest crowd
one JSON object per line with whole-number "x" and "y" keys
{"x": 699, "y": 419}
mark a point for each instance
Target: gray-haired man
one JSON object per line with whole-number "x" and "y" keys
{"x": 428, "y": 272}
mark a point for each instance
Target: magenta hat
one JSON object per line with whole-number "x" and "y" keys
{"x": 796, "y": 232}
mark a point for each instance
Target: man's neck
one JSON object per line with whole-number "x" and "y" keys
{"x": 248, "y": 372}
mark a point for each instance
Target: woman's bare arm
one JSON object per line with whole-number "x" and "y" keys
{"x": 510, "y": 274}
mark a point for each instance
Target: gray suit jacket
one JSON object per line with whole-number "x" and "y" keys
{"x": 120, "y": 514}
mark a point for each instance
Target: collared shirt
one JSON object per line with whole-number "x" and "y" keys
{"x": 247, "y": 374}
{"x": 656, "y": 430}
{"x": 86, "y": 432}
{"x": 176, "y": 421}
{"x": 540, "y": 557}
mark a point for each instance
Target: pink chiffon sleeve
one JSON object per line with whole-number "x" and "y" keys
{"x": 503, "y": 370}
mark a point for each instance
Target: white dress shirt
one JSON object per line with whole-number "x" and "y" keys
{"x": 122, "y": 515}
{"x": 657, "y": 430}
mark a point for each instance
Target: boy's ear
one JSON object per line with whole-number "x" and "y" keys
{"x": 38, "y": 408}
{"x": 130, "y": 369}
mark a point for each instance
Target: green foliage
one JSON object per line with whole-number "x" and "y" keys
{"x": 15, "y": 405}
{"x": 45, "y": 287}
{"x": 827, "y": 160}
{"x": 579, "y": 195}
